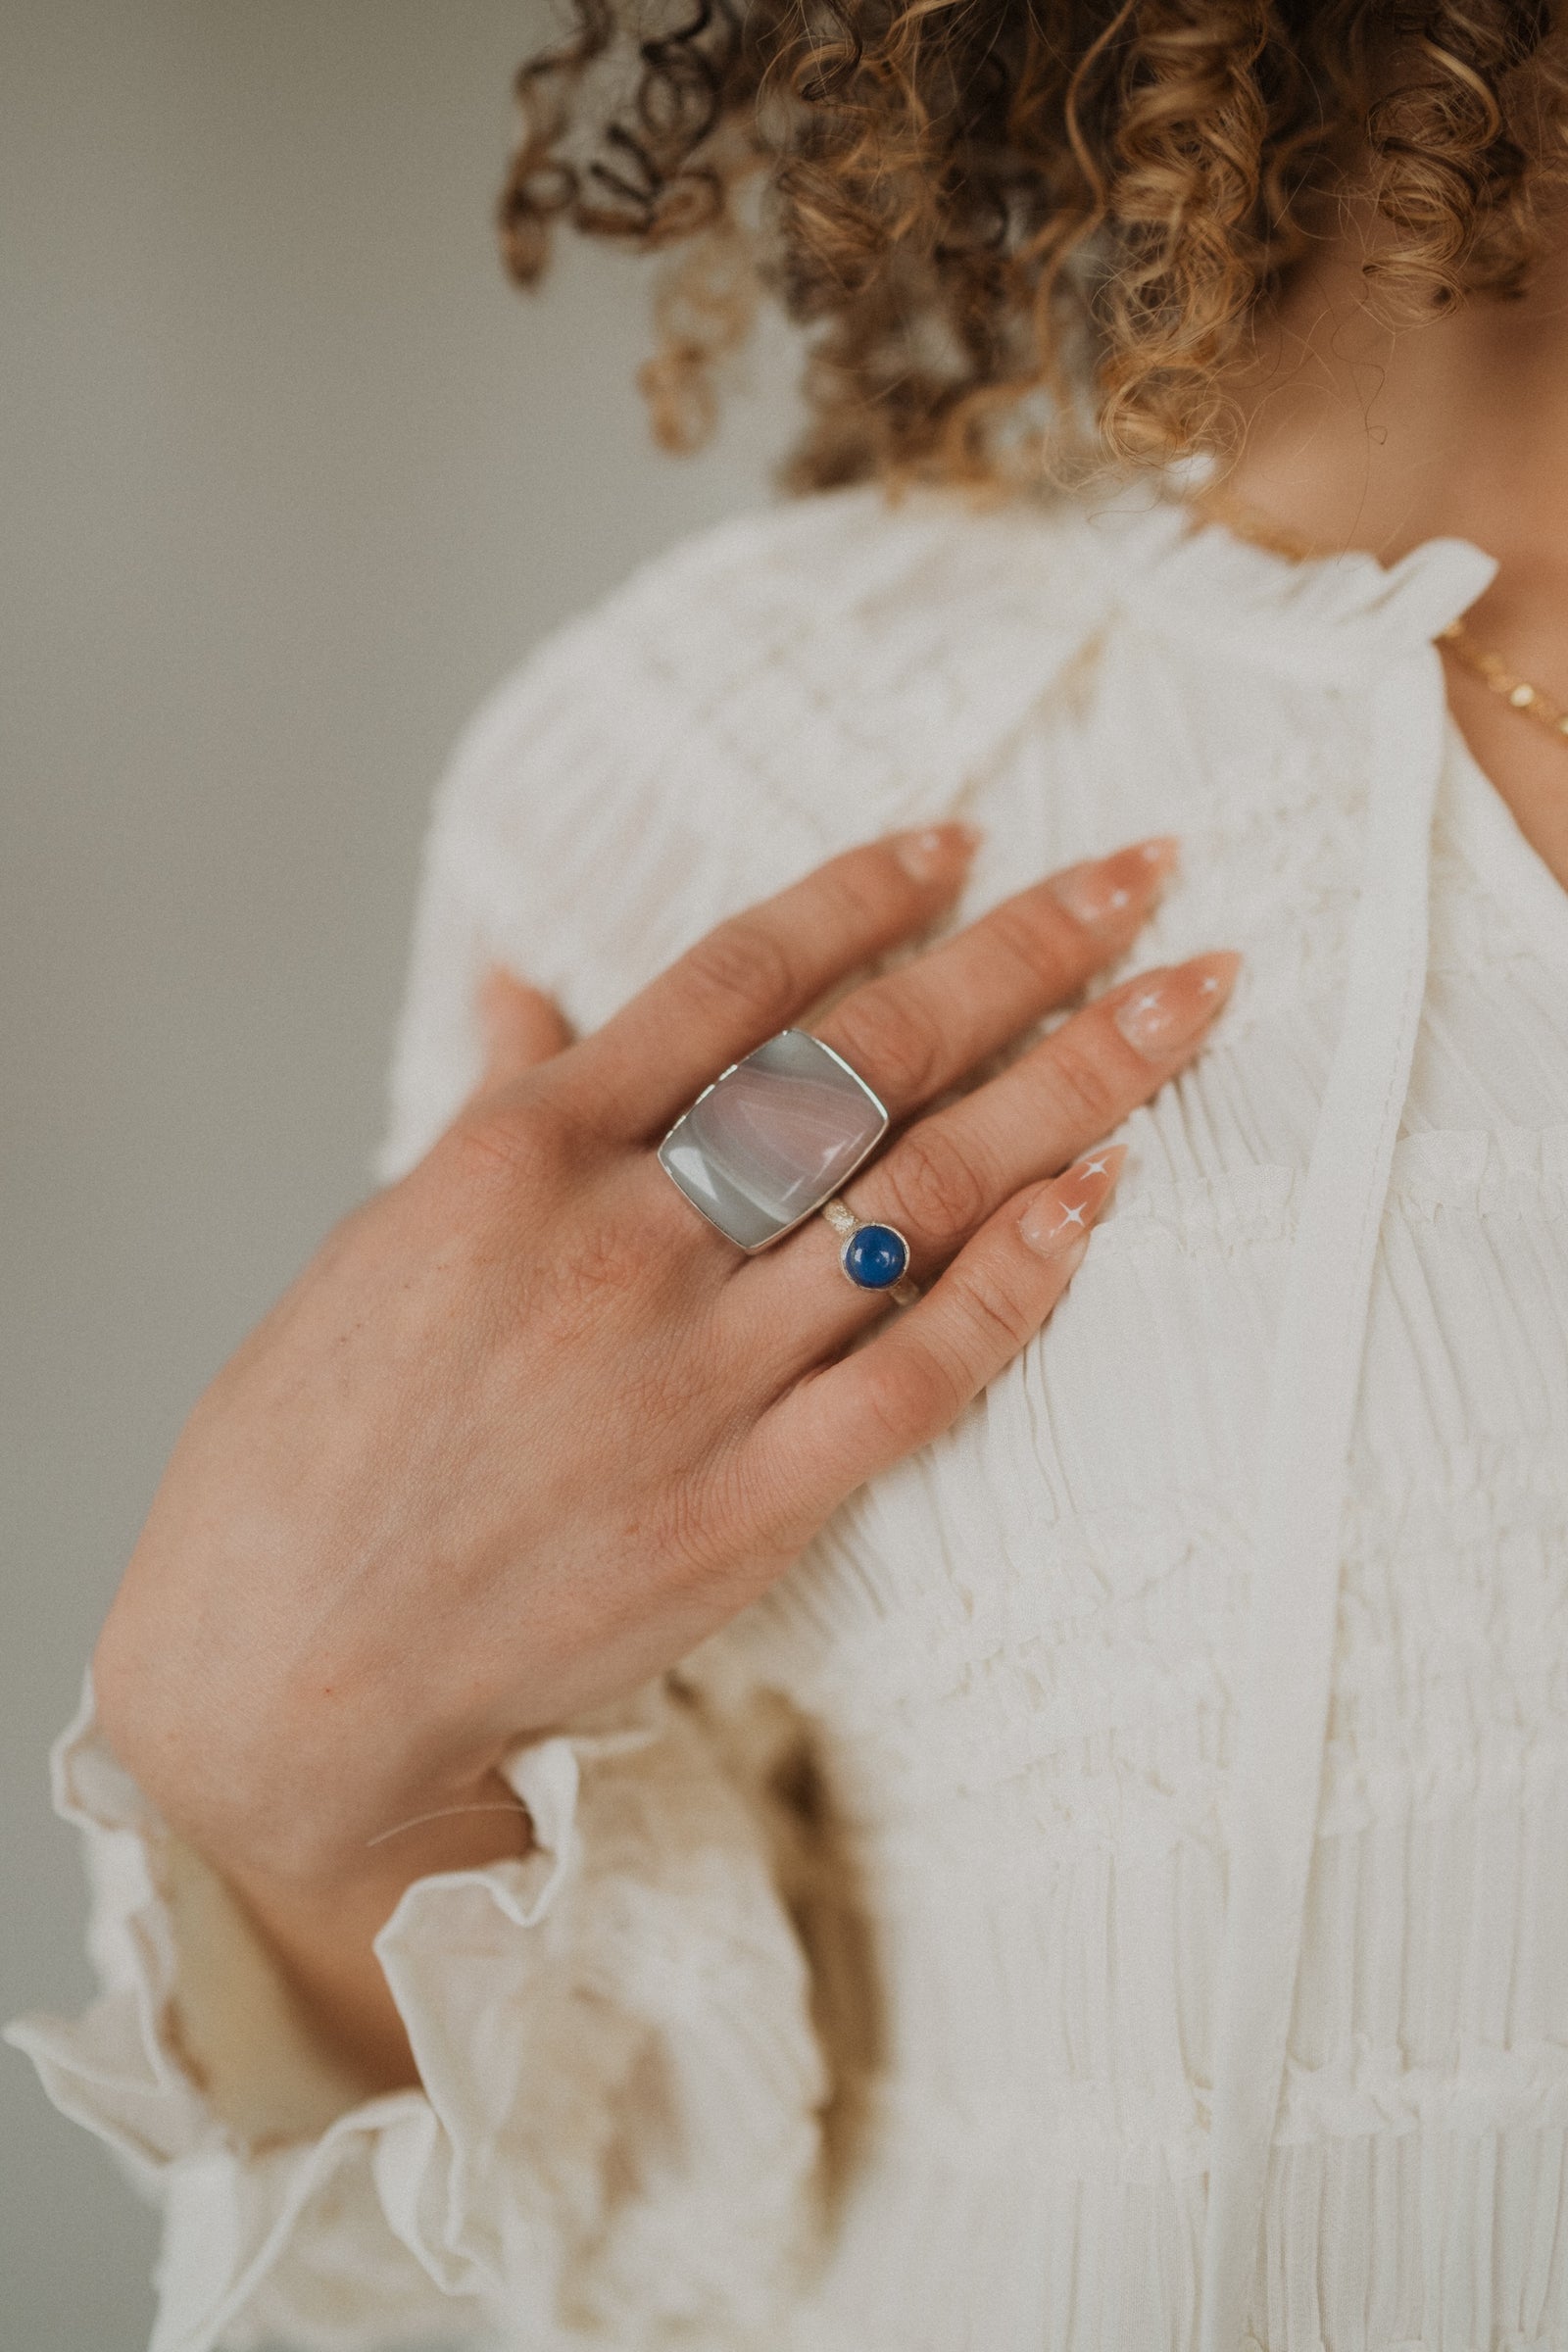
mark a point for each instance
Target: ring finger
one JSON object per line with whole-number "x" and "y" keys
{"x": 918, "y": 1030}
{"x": 949, "y": 1172}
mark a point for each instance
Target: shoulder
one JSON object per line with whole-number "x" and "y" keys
{"x": 802, "y": 678}
{"x": 761, "y": 696}
{"x": 802, "y": 591}
{"x": 764, "y": 693}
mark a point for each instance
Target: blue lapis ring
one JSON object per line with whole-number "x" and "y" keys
{"x": 874, "y": 1256}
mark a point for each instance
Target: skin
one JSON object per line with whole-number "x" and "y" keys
{"x": 1361, "y": 436}
{"x": 526, "y": 1429}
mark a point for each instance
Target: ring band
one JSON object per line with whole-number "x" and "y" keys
{"x": 873, "y": 1255}
{"x": 773, "y": 1137}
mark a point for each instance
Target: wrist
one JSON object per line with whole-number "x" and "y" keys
{"x": 333, "y": 1869}
{"x": 319, "y": 1836}
{"x": 301, "y": 1793}
{"x": 321, "y": 1924}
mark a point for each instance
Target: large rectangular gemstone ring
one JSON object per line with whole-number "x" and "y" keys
{"x": 772, "y": 1138}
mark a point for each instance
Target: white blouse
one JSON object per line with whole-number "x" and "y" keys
{"x": 1110, "y": 1896}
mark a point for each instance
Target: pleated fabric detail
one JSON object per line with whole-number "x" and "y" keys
{"x": 868, "y": 1997}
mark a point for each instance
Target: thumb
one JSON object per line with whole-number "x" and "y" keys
{"x": 520, "y": 1027}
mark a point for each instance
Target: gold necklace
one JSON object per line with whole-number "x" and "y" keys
{"x": 1529, "y": 701}
{"x": 1533, "y": 702}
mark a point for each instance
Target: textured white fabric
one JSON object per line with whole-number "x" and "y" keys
{"x": 867, "y": 1997}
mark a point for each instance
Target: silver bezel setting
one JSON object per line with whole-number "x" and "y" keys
{"x": 841, "y": 1177}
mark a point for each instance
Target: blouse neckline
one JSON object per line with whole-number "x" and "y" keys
{"x": 1340, "y": 618}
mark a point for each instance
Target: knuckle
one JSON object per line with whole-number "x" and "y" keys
{"x": 742, "y": 966}
{"x": 855, "y": 892}
{"x": 938, "y": 1190}
{"x": 516, "y": 1144}
{"x": 992, "y": 1311}
{"x": 1034, "y": 933}
{"x": 889, "y": 1041}
{"x": 1090, "y": 1088}
{"x": 600, "y": 1279}
{"x": 910, "y": 1396}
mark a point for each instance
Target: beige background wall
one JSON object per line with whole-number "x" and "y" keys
{"x": 289, "y": 479}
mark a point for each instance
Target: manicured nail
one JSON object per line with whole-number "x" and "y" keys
{"x": 1165, "y": 1012}
{"x": 936, "y": 852}
{"x": 1072, "y": 1257}
{"x": 1057, "y": 1219}
{"x": 1113, "y": 896}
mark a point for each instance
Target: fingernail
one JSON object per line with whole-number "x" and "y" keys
{"x": 936, "y": 852}
{"x": 1164, "y": 1011}
{"x": 1111, "y": 896}
{"x": 1057, "y": 1219}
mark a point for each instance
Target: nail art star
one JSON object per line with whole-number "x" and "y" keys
{"x": 1119, "y": 898}
{"x": 1094, "y": 1167}
{"x": 1208, "y": 985}
{"x": 1148, "y": 1003}
{"x": 1073, "y": 1216}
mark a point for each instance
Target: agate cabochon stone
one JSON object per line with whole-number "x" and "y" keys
{"x": 773, "y": 1137}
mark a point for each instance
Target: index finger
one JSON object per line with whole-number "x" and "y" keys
{"x": 757, "y": 973}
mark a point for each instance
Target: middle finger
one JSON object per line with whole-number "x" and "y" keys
{"x": 941, "y": 1179}
{"x": 915, "y": 1031}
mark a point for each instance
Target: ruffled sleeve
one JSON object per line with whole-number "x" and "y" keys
{"x": 614, "y": 2138}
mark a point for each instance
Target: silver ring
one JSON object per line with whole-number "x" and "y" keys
{"x": 773, "y": 1137}
{"x": 874, "y": 1255}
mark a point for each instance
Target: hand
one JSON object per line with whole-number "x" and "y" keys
{"x": 527, "y": 1429}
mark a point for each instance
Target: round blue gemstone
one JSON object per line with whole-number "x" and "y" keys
{"x": 874, "y": 1256}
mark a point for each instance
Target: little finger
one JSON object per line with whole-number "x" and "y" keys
{"x": 942, "y": 1178}
{"x": 949, "y": 1172}
{"x": 839, "y": 1426}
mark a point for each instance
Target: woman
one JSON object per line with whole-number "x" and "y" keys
{"x": 641, "y": 1798}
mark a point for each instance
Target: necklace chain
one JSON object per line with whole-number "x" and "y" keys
{"x": 1532, "y": 702}
{"x": 1529, "y": 701}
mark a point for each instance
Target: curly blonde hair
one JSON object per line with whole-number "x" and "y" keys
{"x": 1011, "y": 228}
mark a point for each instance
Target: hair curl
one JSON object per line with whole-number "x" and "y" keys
{"x": 1013, "y": 226}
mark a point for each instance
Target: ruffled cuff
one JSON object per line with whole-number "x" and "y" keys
{"x": 615, "y": 2137}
